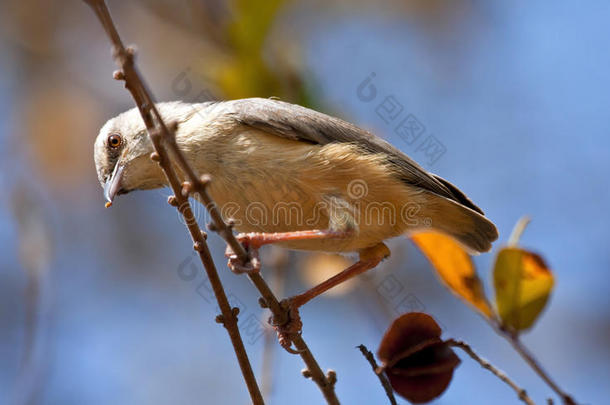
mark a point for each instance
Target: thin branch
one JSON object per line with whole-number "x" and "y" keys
{"x": 158, "y": 131}
{"x": 326, "y": 382}
{"x": 533, "y": 363}
{"x": 513, "y": 338}
{"x": 488, "y": 366}
{"x": 382, "y": 377}
{"x": 512, "y": 335}
{"x": 198, "y": 186}
{"x": 161, "y": 136}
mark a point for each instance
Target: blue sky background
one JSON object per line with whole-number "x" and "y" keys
{"x": 517, "y": 92}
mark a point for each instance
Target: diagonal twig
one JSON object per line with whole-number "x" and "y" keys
{"x": 529, "y": 358}
{"x": 382, "y": 377}
{"x": 513, "y": 337}
{"x": 158, "y": 132}
{"x": 165, "y": 146}
{"x": 495, "y": 371}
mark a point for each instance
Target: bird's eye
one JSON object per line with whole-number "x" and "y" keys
{"x": 115, "y": 141}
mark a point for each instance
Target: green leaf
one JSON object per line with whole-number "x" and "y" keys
{"x": 523, "y": 283}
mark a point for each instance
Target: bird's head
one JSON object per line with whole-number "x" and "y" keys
{"x": 122, "y": 151}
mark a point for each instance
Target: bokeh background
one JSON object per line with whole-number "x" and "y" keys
{"x": 103, "y": 306}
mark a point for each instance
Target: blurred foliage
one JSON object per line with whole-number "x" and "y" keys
{"x": 59, "y": 159}
{"x": 246, "y": 73}
{"x": 235, "y": 48}
{"x": 244, "y": 57}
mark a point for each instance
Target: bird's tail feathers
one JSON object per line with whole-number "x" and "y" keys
{"x": 471, "y": 229}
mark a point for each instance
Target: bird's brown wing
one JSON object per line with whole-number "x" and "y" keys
{"x": 303, "y": 124}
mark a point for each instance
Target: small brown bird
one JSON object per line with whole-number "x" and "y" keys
{"x": 293, "y": 176}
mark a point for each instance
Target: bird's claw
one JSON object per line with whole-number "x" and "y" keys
{"x": 236, "y": 265}
{"x": 291, "y": 327}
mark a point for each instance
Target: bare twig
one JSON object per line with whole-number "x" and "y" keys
{"x": 488, "y": 366}
{"x": 159, "y": 132}
{"x": 162, "y": 136}
{"x": 529, "y": 358}
{"x": 198, "y": 186}
{"x": 512, "y": 335}
{"x": 326, "y": 382}
{"x": 513, "y": 338}
{"x": 533, "y": 363}
{"x": 382, "y": 377}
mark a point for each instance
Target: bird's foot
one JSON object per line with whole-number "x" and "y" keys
{"x": 290, "y": 327}
{"x": 236, "y": 265}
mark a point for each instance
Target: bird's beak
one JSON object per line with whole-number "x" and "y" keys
{"x": 114, "y": 183}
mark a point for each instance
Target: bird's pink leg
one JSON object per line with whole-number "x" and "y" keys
{"x": 254, "y": 240}
{"x": 369, "y": 259}
{"x": 258, "y": 239}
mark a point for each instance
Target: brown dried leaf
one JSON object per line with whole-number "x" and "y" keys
{"x": 419, "y": 365}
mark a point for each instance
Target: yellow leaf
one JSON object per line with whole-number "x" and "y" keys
{"x": 523, "y": 283}
{"x": 455, "y": 267}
